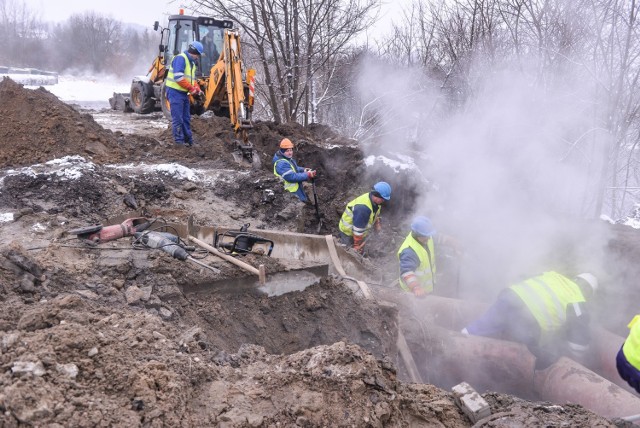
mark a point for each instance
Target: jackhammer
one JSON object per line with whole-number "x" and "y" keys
{"x": 98, "y": 234}
{"x": 170, "y": 244}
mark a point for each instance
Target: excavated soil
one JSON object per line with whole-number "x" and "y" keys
{"x": 111, "y": 335}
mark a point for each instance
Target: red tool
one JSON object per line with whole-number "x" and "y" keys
{"x": 98, "y": 234}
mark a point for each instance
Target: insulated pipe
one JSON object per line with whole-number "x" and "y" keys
{"x": 453, "y": 314}
{"x": 484, "y": 363}
{"x": 569, "y": 382}
{"x": 605, "y": 347}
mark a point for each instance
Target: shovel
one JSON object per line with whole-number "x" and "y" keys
{"x": 315, "y": 204}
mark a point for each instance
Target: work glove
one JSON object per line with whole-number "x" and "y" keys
{"x": 412, "y": 282}
{"x": 377, "y": 225}
{"x": 311, "y": 174}
{"x": 358, "y": 243}
{"x": 418, "y": 291}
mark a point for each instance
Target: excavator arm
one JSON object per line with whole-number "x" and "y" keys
{"x": 228, "y": 90}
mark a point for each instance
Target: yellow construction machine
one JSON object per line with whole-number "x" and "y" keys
{"x": 228, "y": 89}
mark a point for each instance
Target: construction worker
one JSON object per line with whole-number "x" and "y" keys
{"x": 361, "y": 215}
{"x": 181, "y": 82}
{"x": 547, "y": 313}
{"x": 417, "y": 258}
{"x": 628, "y": 358}
{"x": 292, "y": 175}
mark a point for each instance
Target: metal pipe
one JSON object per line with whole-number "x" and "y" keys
{"x": 605, "y": 348}
{"x": 567, "y": 381}
{"x": 484, "y": 363}
{"x": 447, "y": 312}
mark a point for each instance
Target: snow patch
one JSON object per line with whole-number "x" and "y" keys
{"x": 395, "y": 165}
{"x": 183, "y": 172}
{"x": 6, "y": 217}
{"x": 68, "y": 167}
{"x": 38, "y": 227}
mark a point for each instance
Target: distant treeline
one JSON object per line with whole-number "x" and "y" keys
{"x": 85, "y": 42}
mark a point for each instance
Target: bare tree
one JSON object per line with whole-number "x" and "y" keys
{"x": 21, "y": 33}
{"x": 90, "y": 40}
{"x": 456, "y": 41}
{"x": 299, "y": 44}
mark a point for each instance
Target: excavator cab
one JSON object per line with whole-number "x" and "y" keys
{"x": 184, "y": 29}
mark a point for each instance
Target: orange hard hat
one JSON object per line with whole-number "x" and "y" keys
{"x": 286, "y": 144}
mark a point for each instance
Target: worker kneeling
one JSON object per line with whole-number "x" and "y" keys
{"x": 417, "y": 258}
{"x": 547, "y": 313}
{"x": 361, "y": 215}
{"x": 628, "y": 358}
{"x": 293, "y": 177}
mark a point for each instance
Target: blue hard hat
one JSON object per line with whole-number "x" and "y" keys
{"x": 196, "y": 47}
{"x": 422, "y": 226}
{"x": 383, "y": 189}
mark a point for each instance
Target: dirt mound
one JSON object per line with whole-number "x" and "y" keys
{"x": 110, "y": 335}
{"x": 39, "y": 127}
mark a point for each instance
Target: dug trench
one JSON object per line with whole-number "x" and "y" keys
{"x": 112, "y": 335}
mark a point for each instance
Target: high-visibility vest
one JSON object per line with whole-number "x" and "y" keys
{"x": 291, "y": 187}
{"x": 631, "y": 347}
{"x": 427, "y": 270}
{"x": 346, "y": 222}
{"x": 547, "y": 297}
{"x": 189, "y": 74}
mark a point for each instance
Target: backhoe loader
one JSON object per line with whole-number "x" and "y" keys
{"x": 228, "y": 90}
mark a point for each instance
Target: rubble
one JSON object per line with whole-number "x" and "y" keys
{"x": 110, "y": 335}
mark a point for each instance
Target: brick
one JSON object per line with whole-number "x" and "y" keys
{"x": 470, "y": 402}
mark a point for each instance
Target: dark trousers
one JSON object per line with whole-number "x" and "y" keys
{"x": 180, "y": 116}
{"x": 345, "y": 240}
{"x": 627, "y": 371}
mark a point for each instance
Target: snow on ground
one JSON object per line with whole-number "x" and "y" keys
{"x": 88, "y": 92}
{"x": 93, "y": 93}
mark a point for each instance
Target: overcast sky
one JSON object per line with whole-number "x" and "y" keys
{"x": 145, "y": 12}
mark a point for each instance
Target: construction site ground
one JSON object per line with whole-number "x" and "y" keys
{"x": 114, "y": 336}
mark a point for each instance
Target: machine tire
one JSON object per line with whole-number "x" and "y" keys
{"x": 141, "y": 97}
{"x": 164, "y": 102}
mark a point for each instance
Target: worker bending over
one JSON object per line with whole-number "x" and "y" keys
{"x": 362, "y": 214}
{"x": 628, "y": 358}
{"x": 547, "y": 313}
{"x": 292, "y": 175}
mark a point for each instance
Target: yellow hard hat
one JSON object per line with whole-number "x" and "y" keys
{"x": 286, "y": 144}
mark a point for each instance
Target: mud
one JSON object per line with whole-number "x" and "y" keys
{"x": 111, "y": 335}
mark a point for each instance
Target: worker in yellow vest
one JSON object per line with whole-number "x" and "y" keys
{"x": 547, "y": 313}
{"x": 417, "y": 258}
{"x": 287, "y": 170}
{"x": 363, "y": 214}
{"x": 180, "y": 82}
{"x": 628, "y": 358}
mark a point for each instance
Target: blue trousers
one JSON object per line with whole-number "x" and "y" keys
{"x": 180, "y": 116}
{"x": 508, "y": 319}
{"x": 627, "y": 371}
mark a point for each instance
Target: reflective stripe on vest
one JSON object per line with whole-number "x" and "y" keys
{"x": 346, "y": 221}
{"x": 547, "y": 297}
{"x": 427, "y": 268}
{"x": 291, "y": 187}
{"x": 189, "y": 74}
{"x": 631, "y": 347}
